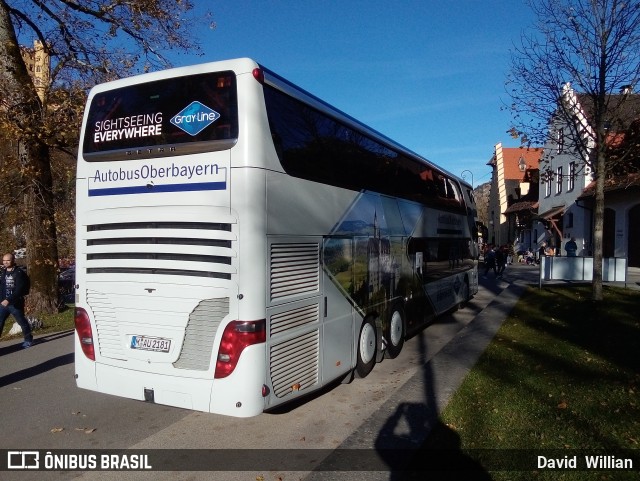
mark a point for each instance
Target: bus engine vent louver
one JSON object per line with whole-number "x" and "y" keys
{"x": 294, "y": 364}
{"x": 167, "y": 248}
{"x": 295, "y": 269}
{"x": 108, "y": 331}
{"x": 286, "y": 321}
{"x": 204, "y": 320}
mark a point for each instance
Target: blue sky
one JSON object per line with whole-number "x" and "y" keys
{"x": 428, "y": 74}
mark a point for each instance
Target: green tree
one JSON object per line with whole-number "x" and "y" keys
{"x": 591, "y": 47}
{"x": 87, "y": 42}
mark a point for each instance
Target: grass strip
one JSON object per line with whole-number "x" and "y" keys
{"x": 562, "y": 373}
{"x": 60, "y": 321}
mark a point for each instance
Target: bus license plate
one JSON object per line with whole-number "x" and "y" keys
{"x": 144, "y": 343}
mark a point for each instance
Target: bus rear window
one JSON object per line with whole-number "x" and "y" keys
{"x": 176, "y": 116}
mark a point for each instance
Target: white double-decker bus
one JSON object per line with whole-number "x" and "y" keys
{"x": 241, "y": 243}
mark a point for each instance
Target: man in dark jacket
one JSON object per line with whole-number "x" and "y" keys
{"x": 13, "y": 286}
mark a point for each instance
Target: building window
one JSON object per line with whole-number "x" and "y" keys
{"x": 559, "y": 180}
{"x": 572, "y": 176}
{"x": 560, "y": 140}
{"x": 548, "y": 187}
{"x": 569, "y": 220}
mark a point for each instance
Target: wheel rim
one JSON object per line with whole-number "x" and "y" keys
{"x": 367, "y": 343}
{"x": 395, "y": 331}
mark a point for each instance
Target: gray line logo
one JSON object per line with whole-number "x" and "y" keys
{"x": 194, "y": 118}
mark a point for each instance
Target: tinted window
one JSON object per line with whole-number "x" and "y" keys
{"x": 314, "y": 146}
{"x": 189, "y": 114}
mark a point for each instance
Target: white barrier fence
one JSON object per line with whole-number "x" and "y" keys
{"x": 614, "y": 269}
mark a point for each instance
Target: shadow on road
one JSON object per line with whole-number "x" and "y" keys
{"x": 17, "y": 346}
{"x": 36, "y": 370}
{"x": 400, "y": 442}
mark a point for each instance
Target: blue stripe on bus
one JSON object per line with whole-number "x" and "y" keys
{"x": 150, "y": 189}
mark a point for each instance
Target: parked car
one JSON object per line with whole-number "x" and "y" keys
{"x": 67, "y": 285}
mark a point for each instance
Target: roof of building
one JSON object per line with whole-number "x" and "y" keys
{"x": 620, "y": 182}
{"x": 622, "y": 109}
{"x": 522, "y": 206}
{"x": 511, "y": 157}
{"x": 512, "y": 161}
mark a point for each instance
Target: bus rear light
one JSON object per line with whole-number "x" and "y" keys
{"x": 236, "y": 336}
{"x": 85, "y": 335}
{"x": 258, "y": 74}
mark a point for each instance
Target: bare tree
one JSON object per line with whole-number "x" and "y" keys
{"x": 87, "y": 41}
{"x": 591, "y": 47}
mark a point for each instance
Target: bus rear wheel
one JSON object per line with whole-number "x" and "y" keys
{"x": 367, "y": 347}
{"x": 395, "y": 333}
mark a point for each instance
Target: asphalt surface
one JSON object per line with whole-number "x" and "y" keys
{"x": 403, "y": 421}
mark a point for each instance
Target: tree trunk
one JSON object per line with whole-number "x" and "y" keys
{"x": 42, "y": 246}
{"x": 23, "y": 109}
{"x": 598, "y": 228}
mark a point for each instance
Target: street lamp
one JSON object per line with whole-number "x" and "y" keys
{"x": 464, "y": 178}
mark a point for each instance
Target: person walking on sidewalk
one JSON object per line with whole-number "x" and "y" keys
{"x": 501, "y": 260}
{"x": 490, "y": 261}
{"x": 13, "y": 287}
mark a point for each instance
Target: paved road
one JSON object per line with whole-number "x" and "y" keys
{"x": 395, "y": 406}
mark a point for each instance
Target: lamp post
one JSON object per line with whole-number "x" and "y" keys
{"x": 464, "y": 178}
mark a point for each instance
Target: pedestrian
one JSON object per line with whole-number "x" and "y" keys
{"x": 500, "y": 260}
{"x": 490, "y": 261}
{"x": 542, "y": 251}
{"x": 14, "y": 285}
{"x": 571, "y": 247}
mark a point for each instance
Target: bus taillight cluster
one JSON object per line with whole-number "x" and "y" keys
{"x": 237, "y": 335}
{"x": 83, "y": 329}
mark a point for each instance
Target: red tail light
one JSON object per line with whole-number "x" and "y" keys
{"x": 83, "y": 329}
{"x": 258, "y": 74}
{"x": 237, "y": 335}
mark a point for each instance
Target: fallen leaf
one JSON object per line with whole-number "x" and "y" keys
{"x": 57, "y": 430}
{"x": 86, "y": 430}
{"x": 563, "y": 405}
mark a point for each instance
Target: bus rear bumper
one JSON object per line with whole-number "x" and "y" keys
{"x": 239, "y": 395}
{"x": 187, "y": 393}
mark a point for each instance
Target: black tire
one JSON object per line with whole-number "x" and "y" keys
{"x": 395, "y": 332}
{"x": 366, "y": 348}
